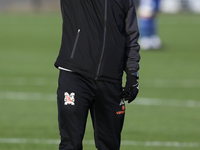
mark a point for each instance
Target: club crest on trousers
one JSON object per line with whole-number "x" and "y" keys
{"x": 69, "y": 98}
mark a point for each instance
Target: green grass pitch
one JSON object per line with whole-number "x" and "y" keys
{"x": 165, "y": 115}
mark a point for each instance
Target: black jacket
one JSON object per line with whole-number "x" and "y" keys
{"x": 99, "y": 38}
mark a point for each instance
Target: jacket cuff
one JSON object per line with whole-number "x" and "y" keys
{"x": 136, "y": 74}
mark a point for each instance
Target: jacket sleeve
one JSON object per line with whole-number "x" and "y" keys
{"x": 132, "y": 56}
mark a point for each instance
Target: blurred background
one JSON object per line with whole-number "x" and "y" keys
{"x": 165, "y": 114}
{"x": 29, "y": 5}
{"x": 168, "y": 6}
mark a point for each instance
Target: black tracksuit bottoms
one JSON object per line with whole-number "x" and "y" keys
{"x": 76, "y": 96}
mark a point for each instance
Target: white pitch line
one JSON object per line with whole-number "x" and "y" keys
{"x": 23, "y": 81}
{"x": 170, "y": 83}
{"x": 9, "y": 95}
{"x": 27, "y": 96}
{"x": 167, "y": 102}
{"x": 91, "y": 142}
{"x": 45, "y": 81}
{"x": 161, "y": 143}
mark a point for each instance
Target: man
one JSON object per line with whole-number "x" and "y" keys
{"x": 147, "y": 11}
{"x": 99, "y": 42}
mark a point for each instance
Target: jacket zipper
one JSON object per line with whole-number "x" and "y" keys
{"x": 104, "y": 40}
{"x": 75, "y": 43}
